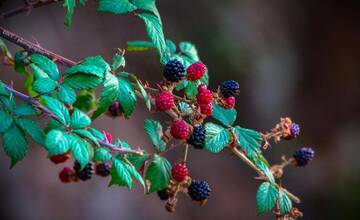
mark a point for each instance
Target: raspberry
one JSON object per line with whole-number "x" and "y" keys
{"x": 179, "y": 172}
{"x": 303, "y": 156}
{"x": 108, "y": 137}
{"x": 229, "y": 102}
{"x": 229, "y": 88}
{"x": 180, "y": 130}
{"x": 115, "y": 109}
{"x": 197, "y": 138}
{"x": 83, "y": 174}
{"x": 102, "y": 169}
{"x": 206, "y": 109}
{"x": 174, "y": 71}
{"x": 164, "y": 101}
{"x": 294, "y": 130}
{"x": 204, "y": 96}
{"x": 195, "y": 71}
{"x": 61, "y": 158}
{"x": 164, "y": 194}
{"x": 66, "y": 174}
{"x": 199, "y": 190}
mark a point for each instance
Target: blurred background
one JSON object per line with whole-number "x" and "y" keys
{"x": 291, "y": 58}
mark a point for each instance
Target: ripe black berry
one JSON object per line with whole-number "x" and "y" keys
{"x": 229, "y": 88}
{"x": 174, "y": 71}
{"x": 199, "y": 190}
{"x": 303, "y": 156}
{"x": 294, "y": 130}
{"x": 102, "y": 169}
{"x": 83, "y": 174}
{"x": 197, "y": 138}
{"x": 164, "y": 194}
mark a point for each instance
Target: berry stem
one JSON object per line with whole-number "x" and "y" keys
{"x": 186, "y": 152}
{"x": 244, "y": 158}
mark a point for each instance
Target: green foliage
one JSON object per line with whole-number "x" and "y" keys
{"x": 116, "y": 6}
{"x": 217, "y": 137}
{"x": 58, "y": 109}
{"x": 226, "y": 116}
{"x": 6, "y": 121}
{"x": 82, "y": 81}
{"x": 148, "y": 5}
{"x": 44, "y": 85}
{"x": 14, "y": 143}
{"x": 249, "y": 140}
{"x": 67, "y": 94}
{"x": 154, "y": 131}
{"x": 3, "y": 90}
{"x": 137, "y": 160}
{"x": 88, "y": 135}
{"x": 191, "y": 89}
{"x": 144, "y": 94}
{"x": 86, "y": 101}
{"x": 32, "y": 128}
{"x": 70, "y": 6}
{"x": 266, "y": 197}
{"x": 19, "y": 59}
{"x": 126, "y": 96}
{"x": 57, "y": 142}
{"x": 102, "y": 155}
{"x": 96, "y": 66}
{"x": 79, "y": 119}
{"x": 189, "y": 50}
{"x": 97, "y": 133}
{"x": 47, "y": 65}
{"x": 24, "y": 109}
{"x": 158, "y": 173}
{"x": 285, "y": 204}
{"x": 118, "y": 61}
{"x": 120, "y": 173}
{"x": 79, "y": 149}
{"x": 139, "y": 45}
{"x": 265, "y": 169}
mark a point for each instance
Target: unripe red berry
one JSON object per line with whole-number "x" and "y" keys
{"x": 164, "y": 101}
{"x": 108, "y": 136}
{"x": 204, "y": 95}
{"x": 61, "y": 158}
{"x": 179, "y": 172}
{"x": 206, "y": 109}
{"x": 180, "y": 130}
{"x": 195, "y": 71}
{"x": 229, "y": 102}
{"x": 66, "y": 174}
{"x": 201, "y": 87}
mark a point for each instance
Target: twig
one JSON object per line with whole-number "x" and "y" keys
{"x": 26, "y": 8}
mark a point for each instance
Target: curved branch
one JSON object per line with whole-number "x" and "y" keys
{"x": 26, "y": 8}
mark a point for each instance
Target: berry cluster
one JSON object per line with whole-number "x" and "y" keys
{"x": 85, "y": 173}
{"x": 204, "y": 99}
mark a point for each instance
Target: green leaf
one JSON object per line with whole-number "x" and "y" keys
{"x": 265, "y": 169}
{"x": 28, "y": 82}
{"x": 118, "y": 61}
{"x": 182, "y": 85}
{"x": 136, "y": 175}
{"x": 155, "y": 32}
{"x": 32, "y": 128}
{"x": 266, "y": 197}
{"x": 58, "y": 109}
{"x": 70, "y": 6}
{"x": 38, "y": 72}
{"x": 285, "y": 203}
{"x": 19, "y": 59}
{"x": 102, "y": 155}
{"x": 120, "y": 174}
{"x": 205, "y": 78}
{"x": 53, "y": 124}
{"x": 108, "y": 94}
{"x": 249, "y": 140}
{"x": 185, "y": 108}
{"x": 15, "y": 144}
{"x": 47, "y": 65}
{"x": 217, "y": 137}
{"x": 189, "y": 50}
{"x": 116, "y": 6}
{"x": 148, "y": 5}
{"x": 82, "y": 81}
{"x": 8, "y": 102}
{"x": 24, "y": 109}
{"x": 191, "y": 89}
{"x": 79, "y": 149}
{"x": 154, "y": 131}
{"x": 226, "y": 116}
{"x": 82, "y": 2}
{"x": 158, "y": 173}
{"x": 44, "y": 85}
{"x": 139, "y": 45}
{"x": 171, "y": 47}
{"x": 3, "y": 90}
{"x": 57, "y": 142}
{"x": 98, "y": 134}
{"x": 79, "y": 119}
{"x": 86, "y": 101}
{"x": 6, "y": 121}
{"x": 67, "y": 94}
{"x": 137, "y": 160}
{"x": 126, "y": 97}
{"x": 96, "y": 66}
{"x": 144, "y": 94}
{"x": 88, "y": 135}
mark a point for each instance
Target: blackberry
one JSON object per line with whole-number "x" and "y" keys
{"x": 199, "y": 190}
{"x": 229, "y": 88}
{"x": 303, "y": 156}
{"x": 294, "y": 130}
{"x": 115, "y": 109}
{"x": 164, "y": 194}
{"x": 83, "y": 174}
{"x": 102, "y": 169}
{"x": 197, "y": 138}
{"x": 174, "y": 71}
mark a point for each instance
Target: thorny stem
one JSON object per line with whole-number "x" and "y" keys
{"x": 27, "y": 7}
{"x": 243, "y": 157}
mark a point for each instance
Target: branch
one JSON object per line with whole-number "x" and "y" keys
{"x": 33, "y": 48}
{"x": 26, "y": 8}
{"x": 243, "y": 157}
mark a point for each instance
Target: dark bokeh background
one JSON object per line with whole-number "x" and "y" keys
{"x": 292, "y": 58}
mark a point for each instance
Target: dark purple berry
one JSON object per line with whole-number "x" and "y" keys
{"x": 229, "y": 88}
{"x": 303, "y": 156}
{"x": 164, "y": 194}
{"x": 83, "y": 174}
{"x": 199, "y": 190}
{"x": 115, "y": 109}
{"x": 197, "y": 138}
{"x": 294, "y": 130}
{"x": 102, "y": 169}
{"x": 174, "y": 71}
